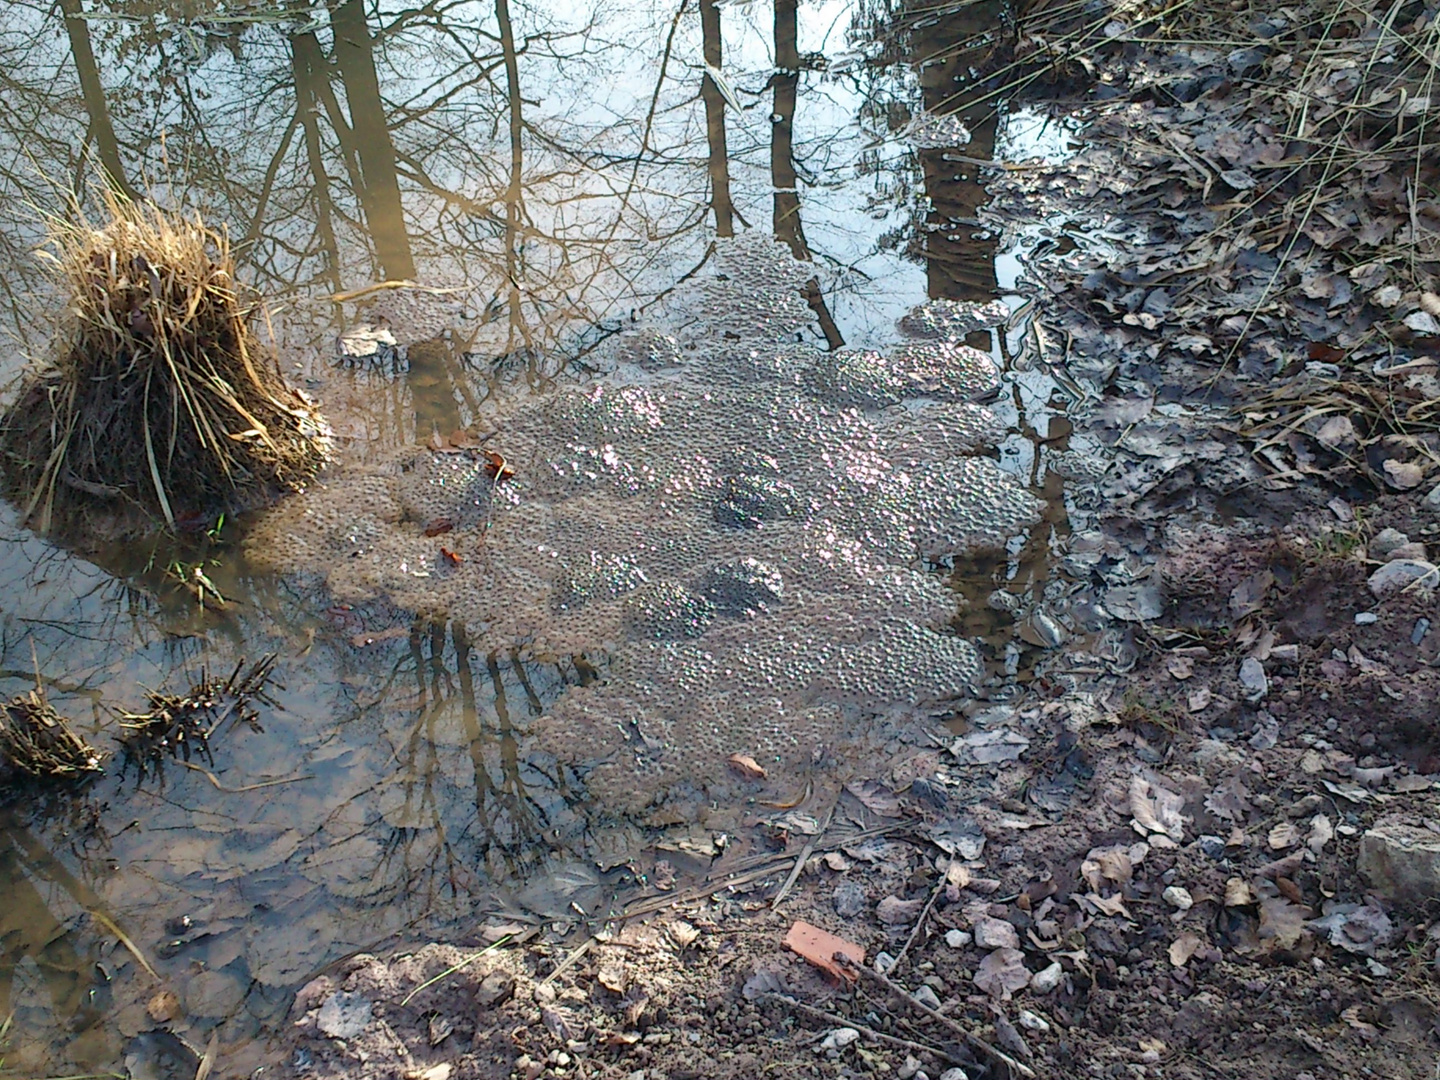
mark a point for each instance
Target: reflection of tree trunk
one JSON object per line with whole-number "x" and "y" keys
{"x": 786, "y": 83}
{"x": 961, "y": 267}
{"x": 307, "y": 101}
{"x": 514, "y": 191}
{"x": 106, "y": 144}
{"x": 380, "y": 195}
{"x": 715, "y": 123}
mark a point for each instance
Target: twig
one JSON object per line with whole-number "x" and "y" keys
{"x": 974, "y": 1041}
{"x": 248, "y": 787}
{"x": 805, "y": 853}
{"x": 919, "y": 924}
{"x": 569, "y": 962}
{"x": 867, "y": 1032}
{"x": 454, "y": 968}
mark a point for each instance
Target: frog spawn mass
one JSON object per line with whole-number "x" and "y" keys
{"x": 734, "y": 528}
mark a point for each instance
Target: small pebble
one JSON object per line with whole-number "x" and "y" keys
{"x": 884, "y": 962}
{"x": 909, "y": 1069}
{"x": 1178, "y": 898}
{"x": 1422, "y": 627}
{"x": 954, "y": 1074}
{"x": 1033, "y": 1021}
{"x": 958, "y": 939}
{"x": 927, "y": 996}
{"x": 1047, "y": 979}
{"x": 1366, "y": 618}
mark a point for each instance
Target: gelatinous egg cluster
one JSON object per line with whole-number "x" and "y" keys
{"x": 735, "y": 529}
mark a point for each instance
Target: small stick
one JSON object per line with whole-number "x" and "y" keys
{"x": 569, "y": 962}
{"x": 868, "y": 1032}
{"x": 248, "y": 787}
{"x": 919, "y": 923}
{"x": 805, "y": 853}
{"x": 974, "y": 1041}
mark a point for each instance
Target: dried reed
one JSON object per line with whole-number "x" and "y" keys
{"x": 159, "y": 396}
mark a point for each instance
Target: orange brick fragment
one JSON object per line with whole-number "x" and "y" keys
{"x": 819, "y": 946}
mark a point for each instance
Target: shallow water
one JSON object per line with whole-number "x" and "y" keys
{"x": 561, "y": 176}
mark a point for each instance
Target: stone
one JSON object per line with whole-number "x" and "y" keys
{"x": 344, "y": 1015}
{"x": 1401, "y": 862}
{"x": 926, "y": 996}
{"x": 1400, "y": 574}
{"x": 1253, "y": 679}
{"x": 850, "y": 900}
{"x": 991, "y": 933}
{"x": 1366, "y": 618}
{"x": 1432, "y": 501}
{"x": 958, "y": 939}
{"x": 1386, "y": 541}
{"x": 1178, "y": 898}
{"x": 1413, "y": 550}
{"x": 1047, "y": 979}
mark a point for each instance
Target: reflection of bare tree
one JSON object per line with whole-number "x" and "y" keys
{"x": 786, "y": 83}
{"x": 715, "y": 122}
{"x": 107, "y": 146}
{"x": 379, "y": 190}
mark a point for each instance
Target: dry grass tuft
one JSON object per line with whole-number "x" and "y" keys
{"x": 159, "y": 397}
{"x": 37, "y": 741}
{"x": 179, "y": 725}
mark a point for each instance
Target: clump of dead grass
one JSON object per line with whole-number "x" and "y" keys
{"x": 159, "y": 397}
{"x": 182, "y": 725}
{"x": 39, "y": 743}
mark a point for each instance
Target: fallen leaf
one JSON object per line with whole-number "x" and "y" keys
{"x": 1156, "y": 809}
{"x": 1283, "y": 835}
{"x": 1249, "y": 595}
{"x": 439, "y": 527}
{"x": 837, "y": 862}
{"x": 1321, "y": 833}
{"x": 1282, "y": 922}
{"x": 611, "y": 974}
{"x": 1183, "y": 948}
{"x": 876, "y": 797}
{"x": 1180, "y": 667}
{"x": 1238, "y": 893}
{"x": 747, "y": 766}
{"x": 451, "y": 556}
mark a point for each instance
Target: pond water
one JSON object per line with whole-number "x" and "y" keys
{"x": 558, "y": 169}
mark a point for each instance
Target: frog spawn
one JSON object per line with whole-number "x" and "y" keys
{"x": 734, "y": 528}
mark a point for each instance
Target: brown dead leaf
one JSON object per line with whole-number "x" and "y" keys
{"x": 747, "y": 766}
{"x": 878, "y": 798}
{"x": 163, "y": 1007}
{"x": 1183, "y": 948}
{"x": 611, "y": 974}
{"x": 1281, "y": 922}
{"x": 1283, "y": 835}
{"x": 1238, "y": 893}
